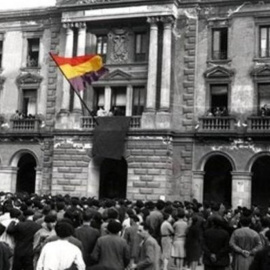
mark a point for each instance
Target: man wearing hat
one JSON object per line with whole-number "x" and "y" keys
{"x": 23, "y": 233}
{"x": 111, "y": 250}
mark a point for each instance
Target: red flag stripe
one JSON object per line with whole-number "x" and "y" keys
{"x": 73, "y": 61}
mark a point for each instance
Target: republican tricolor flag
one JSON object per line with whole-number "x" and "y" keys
{"x": 79, "y": 70}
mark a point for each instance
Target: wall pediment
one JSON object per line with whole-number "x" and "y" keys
{"x": 218, "y": 73}
{"x": 118, "y": 75}
{"x": 261, "y": 72}
{"x": 28, "y": 79}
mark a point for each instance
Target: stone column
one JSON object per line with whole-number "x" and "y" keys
{"x": 148, "y": 117}
{"x": 107, "y": 98}
{"x": 241, "y": 189}
{"x": 152, "y": 65}
{"x": 166, "y": 63}
{"x": 129, "y": 95}
{"x": 197, "y": 185}
{"x": 68, "y": 53}
{"x": 80, "y": 51}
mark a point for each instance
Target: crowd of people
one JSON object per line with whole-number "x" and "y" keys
{"x": 63, "y": 232}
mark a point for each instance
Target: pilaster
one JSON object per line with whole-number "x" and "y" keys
{"x": 80, "y": 51}
{"x": 197, "y": 185}
{"x": 241, "y": 189}
{"x": 68, "y": 53}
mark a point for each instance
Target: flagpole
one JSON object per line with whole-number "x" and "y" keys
{"x": 78, "y": 95}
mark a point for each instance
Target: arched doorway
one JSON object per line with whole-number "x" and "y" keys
{"x": 260, "y": 185}
{"x": 26, "y": 176}
{"x": 113, "y": 178}
{"x": 218, "y": 180}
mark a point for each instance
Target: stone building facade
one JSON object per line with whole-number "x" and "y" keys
{"x": 192, "y": 75}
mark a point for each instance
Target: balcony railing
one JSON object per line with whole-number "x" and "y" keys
{"x": 88, "y": 122}
{"x": 25, "y": 125}
{"x": 258, "y": 124}
{"x": 217, "y": 124}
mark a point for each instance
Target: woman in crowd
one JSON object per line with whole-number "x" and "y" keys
{"x": 178, "y": 246}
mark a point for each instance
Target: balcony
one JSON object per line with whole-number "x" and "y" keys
{"x": 88, "y": 122}
{"x": 217, "y": 124}
{"x": 258, "y": 124}
{"x": 25, "y": 125}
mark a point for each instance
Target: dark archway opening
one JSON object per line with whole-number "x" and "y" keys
{"x": 113, "y": 179}
{"x": 261, "y": 182}
{"x": 218, "y": 180}
{"x": 26, "y": 176}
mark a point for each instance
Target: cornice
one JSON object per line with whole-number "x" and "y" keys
{"x": 75, "y": 5}
{"x": 34, "y": 14}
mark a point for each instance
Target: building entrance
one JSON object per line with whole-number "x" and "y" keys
{"x": 113, "y": 179}
{"x": 261, "y": 182}
{"x": 218, "y": 180}
{"x": 26, "y": 176}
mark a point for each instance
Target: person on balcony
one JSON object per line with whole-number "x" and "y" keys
{"x": 217, "y": 111}
{"x": 208, "y": 113}
{"x": 224, "y": 111}
{"x": 265, "y": 110}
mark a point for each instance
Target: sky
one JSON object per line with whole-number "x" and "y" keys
{"x": 19, "y": 4}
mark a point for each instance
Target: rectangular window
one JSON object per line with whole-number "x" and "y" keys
{"x": 219, "y": 43}
{"x": 264, "y": 98}
{"x": 140, "y": 47}
{"x": 118, "y": 102}
{"x": 101, "y": 47}
{"x": 138, "y": 100}
{"x": 219, "y": 99}
{"x": 29, "y": 102}
{"x": 33, "y": 52}
{"x": 264, "y": 41}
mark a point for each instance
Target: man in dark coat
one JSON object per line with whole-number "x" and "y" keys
{"x": 88, "y": 236}
{"x": 5, "y": 252}
{"x": 23, "y": 233}
{"x": 111, "y": 250}
{"x": 262, "y": 258}
{"x": 216, "y": 246}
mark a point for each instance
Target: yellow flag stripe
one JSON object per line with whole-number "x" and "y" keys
{"x": 91, "y": 65}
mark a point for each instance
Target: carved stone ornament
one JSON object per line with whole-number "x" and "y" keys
{"x": 28, "y": 79}
{"x": 119, "y": 38}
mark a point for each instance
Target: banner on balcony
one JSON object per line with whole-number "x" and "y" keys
{"x": 109, "y": 136}
{"x": 79, "y": 70}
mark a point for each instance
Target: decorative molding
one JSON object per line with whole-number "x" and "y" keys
{"x": 167, "y": 19}
{"x": 153, "y": 20}
{"x": 117, "y": 74}
{"x": 218, "y": 73}
{"x": 80, "y": 25}
{"x": 28, "y": 79}
{"x": 261, "y": 72}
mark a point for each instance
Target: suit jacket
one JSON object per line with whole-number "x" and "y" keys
{"x": 88, "y": 236}
{"x": 5, "y": 254}
{"x": 111, "y": 251}
{"x": 261, "y": 260}
{"x": 23, "y": 233}
{"x": 149, "y": 255}
{"x": 216, "y": 241}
